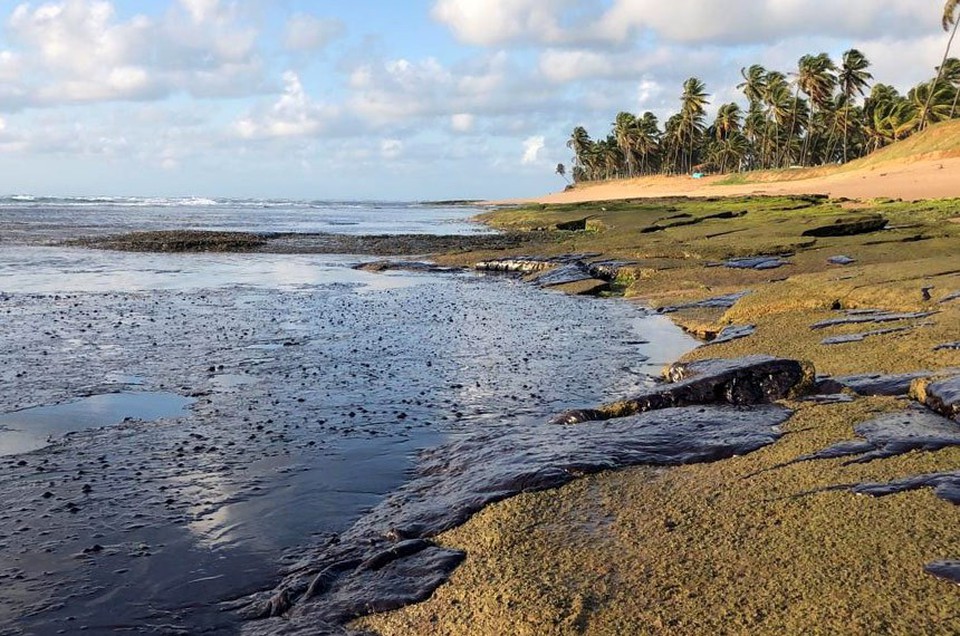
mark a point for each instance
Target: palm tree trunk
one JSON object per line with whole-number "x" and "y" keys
{"x": 807, "y": 139}
{"x": 793, "y": 123}
{"x": 846, "y": 130}
{"x": 933, "y": 89}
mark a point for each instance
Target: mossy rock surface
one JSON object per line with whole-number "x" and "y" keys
{"x": 757, "y": 544}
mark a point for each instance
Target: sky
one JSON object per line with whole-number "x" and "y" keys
{"x": 384, "y": 99}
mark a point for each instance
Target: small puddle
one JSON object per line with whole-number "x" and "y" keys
{"x": 31, "y": 429}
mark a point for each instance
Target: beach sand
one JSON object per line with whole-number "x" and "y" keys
{"x": 927, "y": 178}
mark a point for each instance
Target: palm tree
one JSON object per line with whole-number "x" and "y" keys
{"x": 886, "y": 116}
{"x": 853, "y": 78}
{"x": 931, "y": 104}
{"x": 693, "y": 103}
{"x": 777, "y": 98}
{"x": 730, "y": 152}
{"x": 816, "y": 77}
{"x": 611, "y": 159}
{"x": 580, "y": 143}
{"x": 951, "y": 75}
{"x": 949, "y": 20}
{"x": 672, "y": 143}
{"x": 728, "y": 121}
{"x": 754, "y": 83}
{"x": 754, "y": 129}
{"x": 754, "y": 87}
{"x": 648, "y": 139}
{"x": 625, "y": 131}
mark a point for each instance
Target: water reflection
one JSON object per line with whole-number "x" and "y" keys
{"x": 31, "y": 269}
{"x": 32, "y": 429}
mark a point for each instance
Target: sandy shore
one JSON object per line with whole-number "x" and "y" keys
{"x": 932, "y": 178}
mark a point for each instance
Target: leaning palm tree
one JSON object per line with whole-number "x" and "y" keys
{"x": 951, "y": 75}
{"x": 931, "y": 103}
{"x": 853, "y": 79}
{"x": 949, "y": 20}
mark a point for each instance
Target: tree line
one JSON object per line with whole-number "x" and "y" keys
{"x": 825, "y": 111}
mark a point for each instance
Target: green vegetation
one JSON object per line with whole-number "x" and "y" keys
{"x": 819, "y": 114}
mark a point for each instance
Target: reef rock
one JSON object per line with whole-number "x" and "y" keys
{"x": 943, "y": 395}
{"x": 849, "y": 226}
{"x": 740, "y": 381}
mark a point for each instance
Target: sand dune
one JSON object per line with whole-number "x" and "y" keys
{"x": 911, "y": 179}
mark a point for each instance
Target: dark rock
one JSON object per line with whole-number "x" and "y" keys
{"x": 733, "y": 332}
{"x": 717, "y": 302}
{"x": 951, "y": 296}
{"x": 682, "y": 220}
{"x": 825, "y": 385}
{"x": 397, "y": 551}
{"x": 860, "y": 337}
{"x": 945, "y": 485}
{"x": 456, "y": 480}
{"x": 530, "y": 264}
{"x": 741, "y": 381}
{"x": 519, "y": 264}
{"x": 841, "y": 260}
{"x": 756, "y": 262}
{"x": 894, "y": 434}
{"x": 407, "y": 266}
{"x": 946, "y": 570}
{"x": 830, "y": 398}
{"x": 608, "y": 270}
{"x": 588, "y": 287}
{"x": 857, "y": 317}
{"x": 879, "y": 384}
{"x": 943, "y": 396}
{"x": 947, "y": 346}
{"x": 849, "y": 227}
{"x": 562, "y": 275}
{"x": 574, "y": 226}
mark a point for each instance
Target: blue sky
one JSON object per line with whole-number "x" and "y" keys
{"x": 380, "y": 99}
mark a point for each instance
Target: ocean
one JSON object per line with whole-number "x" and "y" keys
{"x": 176, "y": 429}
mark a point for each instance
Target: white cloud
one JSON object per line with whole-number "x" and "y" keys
{"x": 294, "y": 114}
{"x": 756, "y": 21}
{"x": 403, "y": 91}
{"x": 531, "y": 149}
{"x": 391, "y": 148}
{"x": 566, "y": 65}
{"x": 201, "y": 10}
{"x": 81, "y": 51}
{"x": 529, "y": 22}
{"x": 462, "y": 122}
{"x": 306, "y": 32}
{"x": 488, "y": 22}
